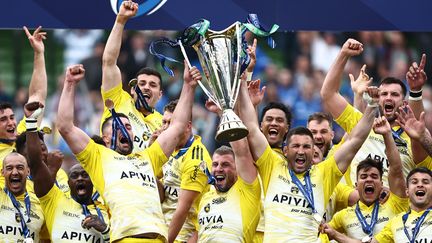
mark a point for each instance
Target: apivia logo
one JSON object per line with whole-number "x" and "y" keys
{"x": 147, "y": 7}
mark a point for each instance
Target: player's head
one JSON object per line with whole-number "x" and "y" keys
{"x": 21, "y": 145}
{"x": 167, "y": 119}
{"x": 149, "y": 82}
{"x": 392, "y": 96}
{"x": 15, "y": 171}
{"x": 8, "y": 123}
{"x": 122, "y": 145}
{"x": 224, "y": 168}
{"x": 369, "y": 180}
{"x": 320, "y": 124}
{"x": 81, "y": 187}
{"x": 419, "y": 188}
{"x": 300, "y": 149}
{"x": 275, "y": 123}
{"x": 317, "y": 156}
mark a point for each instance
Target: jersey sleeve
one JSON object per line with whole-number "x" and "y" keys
{"x": 193, "y": 178}
{"x": 265, "y": 165}
{"x": 337, "y": 221}
{"x": 49, "y": 203}
{"x": 426, "y": 163}
{"x": 386, "y": 234}
{"x": 349, "y": 118}
{"x": 330, "y": 174}
{"x": 397, "y": 204}
{"x": 157, "y": 157}
{"x": 342, "y": 192}
{"x": 21, "y": 126}
{"x": 91, "y": 160}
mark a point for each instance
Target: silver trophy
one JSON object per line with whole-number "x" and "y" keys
{"x": 220, "y": 56}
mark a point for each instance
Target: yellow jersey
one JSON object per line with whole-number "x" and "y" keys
{"x": 288, "y": 215}
{"x": 230, "y": 216}
{"x": 426, "y": 163}
{"x": 142, "y": 126}
{"x": 62, "y": 181}
{"x": 183, "y": 172}
{"x": 346, "y": 221}
{"x": 128, "y": 186}
{"x": 64, "y": 215}
{"x": 373, "y": 147}
{"x": 338, "y": 200}
{"x": 394, "y": 230}
{"x": 10, "y": 227}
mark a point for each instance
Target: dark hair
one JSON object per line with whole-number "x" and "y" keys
{"x": 20, "y": 142}
{"x": 223, "y": 150}
{"x": 105, "y": 123}
{"x": 298, "y": 131}
{"x": 98, "y": 139}
{"x": 368, "y": 163}
{"x": 170, "y": 107}
{"x": 280, "y": 106}
{"x": 5, "y": 105}
{"x": 150, "y": 71}
{"x": 320, "y": 117}
{"x": 391, "y": 80}
{"x": 423, "y": 170}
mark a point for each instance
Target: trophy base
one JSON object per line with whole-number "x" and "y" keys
{"x": 231, "y": 128}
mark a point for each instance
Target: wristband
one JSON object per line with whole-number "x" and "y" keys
{"x": 415, "y": 98}
{"x": 31, "y": 124}
{"x": 105, "y": 234}
{"x": 248, "y": 76}
{"x": 370, "y": 102}
{"x": 415, "y": 95}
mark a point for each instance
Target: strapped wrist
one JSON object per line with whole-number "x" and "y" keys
{"x": 31, "y": 124}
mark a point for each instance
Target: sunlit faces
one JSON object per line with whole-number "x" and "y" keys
{"x": 420, "y": 190}
{"x": 224, "y": 171}
{"x": 391, "y": 98}
{"x": 317, "y": 156}
{"x": 150, "y": 86}
{"x": 369, "y": 185}
{"x": 7, "y": 124}
{"x": 274, "y": 126}
{"x": 299, "y": 152}
{"x": 80, "y": 184}
{"x": 322, "y": 133}
{"x": 15, "y": 171}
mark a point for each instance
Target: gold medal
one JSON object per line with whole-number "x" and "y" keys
{"x": 28, "y": 240}
{"x": 366, "y": 239}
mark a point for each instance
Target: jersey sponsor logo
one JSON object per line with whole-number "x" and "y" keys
{"x": 171, "y": 191}
{"x": 219, "y": 200}
{"x": 13, "y": 230}
{"x": 207, "y": 208}
{"x": 141, "y": 176}
{"x": 379, "y": 159}
{"x": 291, "y": 200}
{"x": 80, "y": 236}
{"x": 147, "y": 7}
{"x": 198, "y": 153}
{"x": 213, "y": 219}
{"x": 357, "y": 223}
{"x": 284, "y": 179}
{"x": 195, "y": 172}
{"x": 69, "y": 214}
{"x": 294, "y": 189}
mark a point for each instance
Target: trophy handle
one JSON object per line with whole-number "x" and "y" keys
{"x": 211, "y": 97}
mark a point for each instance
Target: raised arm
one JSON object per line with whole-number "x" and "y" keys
{"x": 243, "y": 159}
{"x": 256, "y": 138}
{"x": 333, "y": 101}
{"x": 111, "y": 75}
{"x": 74, "y": 136}
{"x": 416, "y": 129}
{"x": 169, "y": 138}
{"x": 395, "y": 175}
{"x": 43, "y": 181}
{"x": 358, "y": 135}
{"x": 359, "y": 86}
{"x": 416, "y": 77}
{"x": 38, "y": 84}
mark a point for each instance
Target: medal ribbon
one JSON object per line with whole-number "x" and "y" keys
{"x": 306, "y": 189}
{"x": 397, "y": 138}
{"x": 183, "y": 150}
{"x": 86, "y": 212}
{"x": 416, "y": 229}
{"x": 141, "y": 101}
{"x": 117, "y": 124}
{"x": 17, "y": 206}
{"x": 368, "y": 228}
